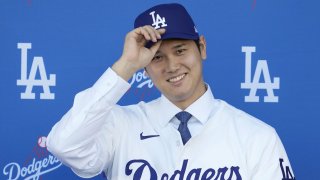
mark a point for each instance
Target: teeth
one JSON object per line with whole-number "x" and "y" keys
{"x": 175, "y": 79}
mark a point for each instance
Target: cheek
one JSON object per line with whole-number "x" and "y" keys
{"x": 193, "y": 62}
{"x": 154, "y": 72}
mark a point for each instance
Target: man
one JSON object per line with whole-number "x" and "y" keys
{"x": 184, "y": 134}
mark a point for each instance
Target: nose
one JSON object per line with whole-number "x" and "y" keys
{"x": 172, "y": 65}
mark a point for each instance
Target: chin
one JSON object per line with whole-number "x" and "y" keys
{"x": 179, "y": 97}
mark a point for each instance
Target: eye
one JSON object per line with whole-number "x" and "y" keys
{"x": 156, "y": 58}
{"x": 180, "y": 51}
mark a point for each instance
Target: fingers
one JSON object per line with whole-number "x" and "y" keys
{"x": 149, "y": 33}
{"x": 155, "y": 47}
{"x": 152, "y": 33}
{"x": 161, "y": 31}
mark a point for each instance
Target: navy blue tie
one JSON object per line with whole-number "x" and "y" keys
{"x": 184, "y": 117}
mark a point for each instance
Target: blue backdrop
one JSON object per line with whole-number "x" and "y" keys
{"x": 59, "y": 48}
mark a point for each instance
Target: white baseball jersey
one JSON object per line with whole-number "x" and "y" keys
{"x": 142, "y": 141}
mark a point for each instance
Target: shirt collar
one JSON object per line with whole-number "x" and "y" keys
{"x": 200, "y": 109}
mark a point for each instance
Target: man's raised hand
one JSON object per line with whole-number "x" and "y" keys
{"x": 135, "y": 55}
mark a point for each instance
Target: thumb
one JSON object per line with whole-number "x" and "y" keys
{"x": 155, "y": 47}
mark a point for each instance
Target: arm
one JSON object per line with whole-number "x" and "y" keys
{"x": 77, "y": 139}
{"x": 268, "y": 159}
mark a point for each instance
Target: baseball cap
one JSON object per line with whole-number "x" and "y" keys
{"x": 172, "y": 17}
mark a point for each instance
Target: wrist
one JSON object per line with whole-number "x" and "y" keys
{"x": 124, "y": 69}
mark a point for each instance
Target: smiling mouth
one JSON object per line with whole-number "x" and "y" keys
{"x": 177, "y": 78}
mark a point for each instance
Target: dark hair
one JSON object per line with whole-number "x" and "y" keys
{"x": 197, "y": 43}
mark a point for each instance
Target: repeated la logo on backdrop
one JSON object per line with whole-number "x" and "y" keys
{"x": 30, "y": 81}
{"x": 255, "y": 84}
{"x": 39, "y": 162}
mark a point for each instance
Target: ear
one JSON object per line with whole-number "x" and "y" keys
{"x": 203, "y": 47}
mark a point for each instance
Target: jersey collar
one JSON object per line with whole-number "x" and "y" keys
{"x": 200, "y": 109}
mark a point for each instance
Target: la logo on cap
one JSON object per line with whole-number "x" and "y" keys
{"x": 158, "y": 21}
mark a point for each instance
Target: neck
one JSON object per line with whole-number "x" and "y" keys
{"x": 185, "y": 103}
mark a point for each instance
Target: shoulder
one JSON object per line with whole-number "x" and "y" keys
{"x": 254, "y": 135}
{"x": 244, "y": 122}
{"x": 135, "y": 111}
{"x": 142, "y": 106}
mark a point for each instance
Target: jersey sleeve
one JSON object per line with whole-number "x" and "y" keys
{"x": 267, "y": 158}
{"x": 86, "y": 136}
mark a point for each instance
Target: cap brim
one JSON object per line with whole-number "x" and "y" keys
{"x": 174, "y": 36}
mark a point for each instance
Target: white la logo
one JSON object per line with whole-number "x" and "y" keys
{"x": 37, "y": 65}
{"x": 254, "y": 85}
{"x": 157, "y": 21}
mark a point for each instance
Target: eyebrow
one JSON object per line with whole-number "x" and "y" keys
{"x": 178, "y": 46}
{"x": 174, "y": 47}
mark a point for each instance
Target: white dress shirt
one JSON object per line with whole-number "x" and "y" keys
{"x": 141, "y": 141}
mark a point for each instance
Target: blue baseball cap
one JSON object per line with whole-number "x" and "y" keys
{"x": 172, "y": 17}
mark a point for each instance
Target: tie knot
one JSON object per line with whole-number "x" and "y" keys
{"x": 183, "y": 116}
